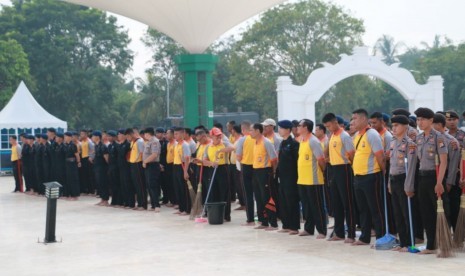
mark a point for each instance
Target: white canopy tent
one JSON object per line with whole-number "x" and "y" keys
{"x": 23, "y": 114}
{"x": 195, "y": 24}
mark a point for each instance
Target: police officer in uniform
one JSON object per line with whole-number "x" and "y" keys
{"x": 28, "y": 163}
{"x": 452, "y": 122}
{"x": 401, "y": 182}
{"x": 160, "y": 134}
{"x": 288, "y": 191}
{"x": 431, "y": 145}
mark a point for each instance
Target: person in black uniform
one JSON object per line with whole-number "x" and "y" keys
{"x": 113, "y": 173}
{"x": 72, "y": 164}
{"x": 100, "y": 166}
{"x": 160, "y": 134}
{"x": 288, "y": 190}
{"x": 28, "y": 163}
{"x": 46, "y": 161}
{"x": 58, "y": 163}
{"x": 37, "y": 165}
{"x": 127, "y": 189}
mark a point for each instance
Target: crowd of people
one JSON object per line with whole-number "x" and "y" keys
{"x": 305, "y": 171}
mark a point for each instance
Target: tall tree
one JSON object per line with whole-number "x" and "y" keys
{"x": 14, "y": 67}
{"x": 77, "y": 55}
{"x": 388, "y": 48}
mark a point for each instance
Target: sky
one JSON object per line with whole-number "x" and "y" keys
{"x": 408, "y": 21}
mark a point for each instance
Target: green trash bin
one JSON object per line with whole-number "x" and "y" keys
{"x": 215, "y": 212}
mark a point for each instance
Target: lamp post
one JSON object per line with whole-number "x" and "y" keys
{"x": 52, "y": 193}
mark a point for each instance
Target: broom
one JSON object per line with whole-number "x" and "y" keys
{"x": 388, "y": 241}
{"x": 412, "y": 248}
{"x": 459, "y": 233}
{"x": 197, "y": 205}
{"x": 443, "y": 236}
{"x": 201, "y": 219}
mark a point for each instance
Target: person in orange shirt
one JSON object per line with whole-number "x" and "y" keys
{"x": 244, "y": 154}
{"x": 137, "y": 171}
{"x": 16, "y": 163}
{"x": 182, "y": 155}
{"x": 264, "y": 168}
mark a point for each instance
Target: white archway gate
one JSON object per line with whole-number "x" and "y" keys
{"x": 297, "y": 102}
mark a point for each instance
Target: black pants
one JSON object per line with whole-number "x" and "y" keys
{"x": 311, "y": 197}
{"x": 454, "y": 202}
{"x": 28, "y": 172}
{"x": 127, "y": 188}
{"x": 180, "y": 186}
{"x": 262, "y": 181}
{"x": 368, "y": 192}
{"x": 101, "y": 181}
{"x": 39, "y": 178}
{"x": 400, "y": 208}
{"x": 390, "y": 210}
{"x": 418, "y": 228}
{"x": 232, "y": 182}
{"x": 220, "y": 188}
{"x": 289, "y": 199}
{"x": 343, "y": 200}
{"x": 18, "y": 175}
{"x": 72, "y": 179}
{"x": 239, "y": 181}
{"x": 247, "y": 176}
{"x": 138, "y": 180}
{"x": 170, "y": 184}
{"x": 115, "y": 185}
{"x": 152, "y": 175}
{"x": 85, "y": 176}
{"x": 164, "y": 185}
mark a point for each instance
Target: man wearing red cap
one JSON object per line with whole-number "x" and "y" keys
{"x": 215, "y": 157}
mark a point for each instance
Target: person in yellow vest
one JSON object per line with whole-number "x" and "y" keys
{"x": 16, "y": 163}
{"x": 234, "y": 192}
{"x": 310, "y": 181}
{"x": 137, "y": 170}
{"x": 85, "y": 171}
{"x": 368, "y": 166}
{"x": 264, "y": 169}
{"x": 182, "y": 155}
{"x": 244, "y": 154}
{"x": 215, "y": 156}
{"x": 341, "y": 153}
{"x": 169, "y": 169}
{"x": 203, "y": 142}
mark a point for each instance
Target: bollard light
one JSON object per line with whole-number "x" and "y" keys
{"x": 52, "y": 193}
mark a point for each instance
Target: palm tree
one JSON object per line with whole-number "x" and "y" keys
{"x": 437, "y": 43}
{"x": 388, "y": 48}
{"x": 151, "y": 103}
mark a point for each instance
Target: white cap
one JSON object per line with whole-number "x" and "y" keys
{"x": 269, "y": 122}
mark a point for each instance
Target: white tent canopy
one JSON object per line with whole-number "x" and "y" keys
{"x": 23, "y": 111}
{"x": 195, "y": 24}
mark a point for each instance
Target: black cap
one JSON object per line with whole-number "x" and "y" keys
{"x": 400, "y": 119}
{"x": 121, "y": 131}
{"x": 60, "y": 135}
{"x": 149, "y": 130}
{"x": 424, "y": 112}
{"x": 69, "y": 134}
{"x": 97, "y": 133}
{"x": 401, "y": 111}
{"x": 452, "y": 114}
{"x": 112, "y": 133}
{"x": 285, "y": 124}
{"x": 52, "y": 129}
{"x": 159, "y": 130}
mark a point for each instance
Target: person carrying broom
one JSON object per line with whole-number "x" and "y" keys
{"x": 401, "y": 182}
{"x": 215, "y": 156}
{"x": 429, "y": 144}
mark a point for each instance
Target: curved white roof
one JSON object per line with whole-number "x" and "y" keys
{"x": 23, "y": 111}
{"x": 195, "y": 24}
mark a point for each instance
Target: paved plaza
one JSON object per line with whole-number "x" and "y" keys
{"x": 110, "y": 241}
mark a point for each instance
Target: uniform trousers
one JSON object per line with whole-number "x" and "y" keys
{"x": 152, "y": 174}
{"x": 138, "y": 180}
{"x": 343, "y": 200}
{"x": 180, "y": 186}
{"x": 262, "y": 181}
{"x": 311, "y": 197}
{"x": 400, "y": 208}
{"x": 247, "y": 176}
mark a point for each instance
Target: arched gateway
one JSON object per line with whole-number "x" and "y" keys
{"x": 296, "y": 102}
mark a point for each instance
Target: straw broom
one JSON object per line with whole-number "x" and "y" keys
{"x": 197, "y": 205}
{"x": 459, "y": 233}
{"x": 443, "y": 235}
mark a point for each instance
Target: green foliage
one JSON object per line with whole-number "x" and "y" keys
{"x": 14, "y": 67}
{"x": 77, "y": 55}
